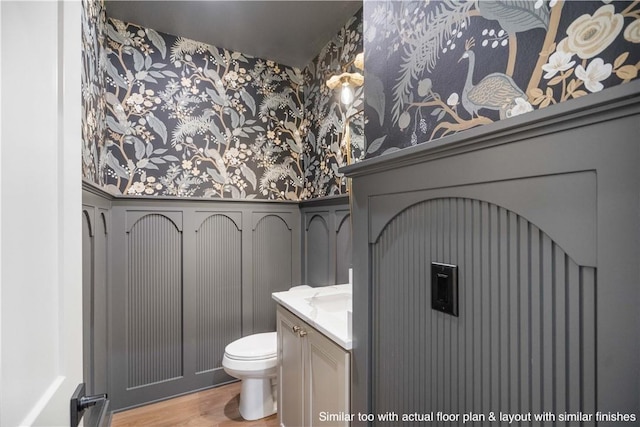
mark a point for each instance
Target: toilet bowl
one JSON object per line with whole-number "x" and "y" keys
{"x": 253, "y": 360}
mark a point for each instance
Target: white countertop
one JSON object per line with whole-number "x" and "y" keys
{"x": 325, "y": 308}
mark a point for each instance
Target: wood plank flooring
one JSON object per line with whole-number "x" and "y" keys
{"x": 216, "y": 407}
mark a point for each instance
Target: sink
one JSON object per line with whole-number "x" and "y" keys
{"x": 331, "y": 302}
{"x": 326, "y": 308}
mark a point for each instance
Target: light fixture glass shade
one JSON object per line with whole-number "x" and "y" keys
{"x": 346, "y": 95}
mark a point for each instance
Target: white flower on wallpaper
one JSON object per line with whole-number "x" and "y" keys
{"x": 521, "y": 106}
{"x": 558, "y": 62}
{"x": 596, "y": 72}
{"x": 632, "y": 32}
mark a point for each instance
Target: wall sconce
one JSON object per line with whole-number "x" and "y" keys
{"x": 347, "y": 81}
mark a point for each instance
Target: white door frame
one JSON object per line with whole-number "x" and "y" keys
{"x": 40, "y": 207}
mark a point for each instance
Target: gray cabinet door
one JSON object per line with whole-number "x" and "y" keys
{"x": 290, "y": 370}
{"x": 328, "y": 381}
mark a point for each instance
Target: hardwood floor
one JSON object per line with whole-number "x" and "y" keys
{"x": 216, "y": 407}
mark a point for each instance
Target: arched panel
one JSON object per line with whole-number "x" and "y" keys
{"x": 154, "y": 301}
{"x": 87, "y": 298}
{"x": 88, "y": 219}
{"x": 105, "y": 224}
{"x": 203, "y": 216}
{"x": 343, "y": 250}
{"x": 218, "y": 289}
{"x": 524, "y": 340}
{"x": 134, "y": 216}
{"x": 317, "y": 252}
{"x": 285, "y": 217}
{"x": 272, "y": 269}
{"x": 563, "y": 205}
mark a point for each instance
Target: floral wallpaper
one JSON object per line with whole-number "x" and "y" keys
{"x": 325, "y": 146}
{"x": 442, "y": 67}
{"x": 188, "y": 119}
{"x": 165, "y": 115}
{"x": 93, "y": 92}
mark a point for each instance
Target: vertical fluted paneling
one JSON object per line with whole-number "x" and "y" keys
{"x": 272, "y": 264}
{"x": 343, "y": 251}
{"x": 88, "y": 303}
{"x": 317, "y": 241}
{"x": 218, "y": 290}
{"x": 525, "y": 337}
{"x": 154, "y": 301}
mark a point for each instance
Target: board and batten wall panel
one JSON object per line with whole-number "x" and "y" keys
{"x": 541, "y": 214}
{"x": 218, "y": 289}
{"x": 88, "y": 255}
{"x": 317, "y": 239}
{"x": 154, "y": 301}
{"x": 326, "y": 241}
{"x": 343, "y": 246}
{"x": 184, "y": 280}
{"x": 525, "y": 338}
{"x": 273, "y": 246}
{"x": 95, "y": 214}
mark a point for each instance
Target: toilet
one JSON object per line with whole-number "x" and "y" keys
{"x": 253, "y": 360}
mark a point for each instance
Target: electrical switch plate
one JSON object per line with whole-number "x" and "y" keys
{"x": 444, "y": 288}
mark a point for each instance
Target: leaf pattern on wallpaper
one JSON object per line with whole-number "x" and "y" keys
{"x": 375, "y": 96}
{"x": 422, "y": 51}
{"x": 572, "y": 49}
{"x": 574, "y": 68}
{"x": 183, "y": 119}
{"x": 515, "y": 16}
{"x": 93, "y": 94}
{"x": 324, "y": 149}
{"x": 165, "y": 115}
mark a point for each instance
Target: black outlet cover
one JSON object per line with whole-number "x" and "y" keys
{"x": 444, "y": 288}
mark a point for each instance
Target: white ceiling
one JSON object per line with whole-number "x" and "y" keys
{"x": 289, "y": 32}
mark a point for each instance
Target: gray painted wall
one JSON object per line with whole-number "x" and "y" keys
{"x": 541, "y": 215}
{"x": 524, "y": 340}
{"x": 326, "y": 241}
{"x": 95, "y": 275}
{"x": 186, "y": 277}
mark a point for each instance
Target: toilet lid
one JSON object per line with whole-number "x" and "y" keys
{"x": 252, "y": 347}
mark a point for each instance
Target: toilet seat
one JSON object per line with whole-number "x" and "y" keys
{"x": 253, "y": 347}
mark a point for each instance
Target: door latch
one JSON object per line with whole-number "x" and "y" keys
{"x": 80, "y": 402}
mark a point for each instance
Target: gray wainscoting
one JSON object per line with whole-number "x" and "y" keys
{"x": 274, "y": 246}
{"x": 218, "y": 288}
{"x": 525, "y": 337}
{"x": 326, "y": 241}
{"x": 153, "y": 300}
{"x": 541, "y": 215}
{"x": 95, "y": 276}
{"x": 186, "y": 277}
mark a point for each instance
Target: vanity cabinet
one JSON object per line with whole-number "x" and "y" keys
{"x": 313, "y": 375}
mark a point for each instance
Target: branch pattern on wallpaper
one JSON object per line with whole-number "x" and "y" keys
{"x": 437, "y": 68}
{"x": 188, "y": 119}
{"x": 92, "y": 80}
{"x": 325, "y": 148}
{"x": 164, "y": 115}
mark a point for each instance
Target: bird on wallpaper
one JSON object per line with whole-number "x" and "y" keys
{"x": 496, "y": 91}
